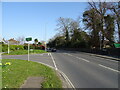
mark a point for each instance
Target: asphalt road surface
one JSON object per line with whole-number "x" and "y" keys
{"x": 83, "y": 70}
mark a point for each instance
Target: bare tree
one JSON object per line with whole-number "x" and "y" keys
{"x": 115, "y": 8}
{"x": 64, "y": 25}
{"x": 21, "y": 40}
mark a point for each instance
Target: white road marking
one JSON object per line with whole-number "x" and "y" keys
{"x": 108, "y": 68}
{"x": 48, "y": 54}
{"x": 83, "y": 59}
{"x": 69, "y": 54}
{"x": 108, "y": 59}
{"x": 66, "y": 78}
{"x": 78, "y": 57}
{"x": 53, "y": 62}
{"x": 64, "y": 53}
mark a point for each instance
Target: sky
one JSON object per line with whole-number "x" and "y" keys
{"x": 33, "y": 19}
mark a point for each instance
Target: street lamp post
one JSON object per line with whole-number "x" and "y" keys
{"x": 45, "y": 38}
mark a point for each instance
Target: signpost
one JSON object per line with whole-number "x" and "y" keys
{"x": 117, "y": 45}
{"x": 28, "y": 39}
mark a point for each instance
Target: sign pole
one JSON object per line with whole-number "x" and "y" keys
{"x": 28, "y": 51}
{"x": 28, "y": 39}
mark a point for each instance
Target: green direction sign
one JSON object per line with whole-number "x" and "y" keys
{"x": 29, "y": 39}
{"x": 117, "y": 45}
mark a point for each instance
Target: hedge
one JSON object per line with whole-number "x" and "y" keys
{"x": 12, "y": 47}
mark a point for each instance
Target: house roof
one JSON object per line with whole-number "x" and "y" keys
{"x": 12, "y": 40}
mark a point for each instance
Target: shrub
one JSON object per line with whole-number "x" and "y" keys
{"x": 12, "y": 47}
{"x": 4, "y": 48}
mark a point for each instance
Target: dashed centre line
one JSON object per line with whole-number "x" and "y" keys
{"x": 98, "y": 64}
{"x": 69, "y": 54}
{"x": 109, "y": 68}
{"x": 83, "y": 59}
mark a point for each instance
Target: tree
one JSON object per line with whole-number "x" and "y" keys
{"x": 21, "y": 40}
{"x": 109, "y": 27}
{"x": 91, "y": 21}
{"x": 64, "y": 26}
{"x": 115, "y": 8}
{"x": 101, "y": 9}
{"x": 36, "y": 41}
{"x": 39, "y": 43}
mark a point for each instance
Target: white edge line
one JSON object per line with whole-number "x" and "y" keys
{"x": 80, "y": 58}
{"x": 70, "y": 83}
{"x": 108, "y": 68}
{"x": 61, "y": 72}
{"x": 53, "y": 62}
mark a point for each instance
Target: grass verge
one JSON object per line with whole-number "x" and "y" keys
{"x": 14, "y": 75}
{"x": 23, "y": 52}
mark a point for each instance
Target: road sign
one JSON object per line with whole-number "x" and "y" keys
{"x": 29, "y": 39}
{"x": 117, "y": 45}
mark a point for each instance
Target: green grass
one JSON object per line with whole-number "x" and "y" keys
{"x": 14, "y": 75}
{"x": 23, "y": 52}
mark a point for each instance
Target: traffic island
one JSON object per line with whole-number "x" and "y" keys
{"x": 15, "y": 74}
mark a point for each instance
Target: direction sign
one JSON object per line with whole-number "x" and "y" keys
{"x": 29, "y": 39}
{"x": 117, "y": 45}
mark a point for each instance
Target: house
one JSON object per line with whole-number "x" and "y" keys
{"x": 13, "y": 42}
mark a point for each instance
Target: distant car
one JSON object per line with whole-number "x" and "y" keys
{"x": 49, "y": 49}
{"x": 53, "y": 50}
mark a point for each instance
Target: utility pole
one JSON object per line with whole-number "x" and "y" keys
{"x": 45, "y": 38}
{"x": 8, "y": 47}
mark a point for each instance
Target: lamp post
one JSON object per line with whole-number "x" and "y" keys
{"x": 45, "y": 37}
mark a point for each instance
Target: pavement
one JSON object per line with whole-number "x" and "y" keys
{"x": 33, "y": 82}
{"x": 79, "y": 70}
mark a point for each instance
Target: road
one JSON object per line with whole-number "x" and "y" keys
{"x": 83, "y": 70}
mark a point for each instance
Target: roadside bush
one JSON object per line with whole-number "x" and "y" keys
{"x": 16, "y": 47}
{"x": 12, "y": 47}
{"x": 31, "y": 47}
{"x": 4, "y": 48}
{"x": 19, "y": 47}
